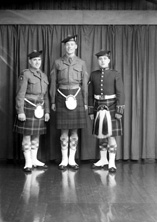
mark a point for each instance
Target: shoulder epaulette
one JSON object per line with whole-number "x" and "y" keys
{"x": 25, "y": 70}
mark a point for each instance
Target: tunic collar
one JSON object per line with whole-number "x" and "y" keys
{"x": 104, "y": 69}
{"x": 36, "y": 72}
{"x": 66, "y": 60}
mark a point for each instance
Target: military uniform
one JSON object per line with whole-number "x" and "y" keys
{"x": 106, "y": 102}
{"x": 69, "y": 77}
{"x": 106, "y": 88}
{"x": 32, "y": 106}
{"x": 33, "y": 85}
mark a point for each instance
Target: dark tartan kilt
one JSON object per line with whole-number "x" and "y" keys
{"x": 32, "y": 125}
{"x": 70, "y": 119}
{"x": 117, "y": 129}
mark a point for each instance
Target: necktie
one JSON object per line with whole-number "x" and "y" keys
{"x": 70, "y": 60}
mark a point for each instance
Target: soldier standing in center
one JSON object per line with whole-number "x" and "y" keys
{"x": 68, "y": 91}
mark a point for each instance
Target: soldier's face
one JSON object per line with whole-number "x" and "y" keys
{"x": 103, "y": 61}
{"x": 35, "y": 62}
{"x": 70, "y": 47}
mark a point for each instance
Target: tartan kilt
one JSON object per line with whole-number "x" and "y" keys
{"x": 117, "y": 129}
{"x": 70, "y": 119}
{"x": 32, "y": 125}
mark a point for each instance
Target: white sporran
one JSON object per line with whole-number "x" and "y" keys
{"x": 71, "y": 102}
{"x": 39, "y": 111}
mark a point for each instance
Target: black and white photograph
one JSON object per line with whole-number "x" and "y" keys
{"x": 78, "y": 111}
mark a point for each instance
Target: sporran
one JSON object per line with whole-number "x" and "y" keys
{"x": 39, "y": 111}
{"x": 71, "y": 101}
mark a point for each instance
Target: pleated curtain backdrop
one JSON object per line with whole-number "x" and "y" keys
{"x": 133, "y": 54}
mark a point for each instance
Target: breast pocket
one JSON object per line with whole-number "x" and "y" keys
{"x": 62, "y": 73}
{"x": 34, "y": 86}
{"x": 77, "y": 72}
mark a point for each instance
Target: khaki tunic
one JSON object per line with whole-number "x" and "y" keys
{"x": 32, "y": 83}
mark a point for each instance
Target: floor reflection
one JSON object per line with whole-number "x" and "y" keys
{"x": 85, "y": 195}
{"x": 108, "y": 181}
{"x": 30, "y": 193}
{"x": 68, "y": 194}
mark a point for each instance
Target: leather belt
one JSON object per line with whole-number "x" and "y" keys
{"x": 68, "y": 86}
{"x": 102, "y": 97}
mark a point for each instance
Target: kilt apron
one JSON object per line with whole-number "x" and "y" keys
{"x": 116, "y": 123}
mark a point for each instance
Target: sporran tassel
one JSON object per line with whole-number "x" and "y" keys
{"x": 103, "y": 124}
{"x": 96, "y": 124}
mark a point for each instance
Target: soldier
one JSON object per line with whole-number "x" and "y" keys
{"x": 68, "y": 90}
{"x": 106, "y": 107}
{"x": 32, "y": 106}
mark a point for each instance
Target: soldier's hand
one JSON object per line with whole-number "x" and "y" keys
{"x": 47, "y": 117}
{"x": 86, "y": 107}
{"x": 118, "y": 116}
{"x": 91, "y": 116}
{"x": 53, "y": 107}
{"x": 22, "y": 117}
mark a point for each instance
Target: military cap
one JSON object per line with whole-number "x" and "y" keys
{"x": 69, "y": 38}
{"x": 34, "y": 54}
{"x": 103, "y": 53}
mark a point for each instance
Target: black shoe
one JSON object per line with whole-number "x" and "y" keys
{"x": 74, "y": 167}
{"x": 62, "y": 167}
{"x": 98, "y": 167}
{"x": 44, "y": 167}
{"x": 27, "y": 170}
{"x": 112, "y": 170}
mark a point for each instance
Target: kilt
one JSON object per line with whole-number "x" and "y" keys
{"x": 32, "y": 125}
{"x": 116, "y": 123}
{"x": 70, "y": 119}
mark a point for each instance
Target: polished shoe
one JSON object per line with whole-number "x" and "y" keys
{"x": 112, "y": 170}
{"x": 74, "y": 167}
{"x": 98, "y": 167}
{"x": 62, "y": 167}
{"x": 27, "y": 170}
{"x": 44, "y": 167}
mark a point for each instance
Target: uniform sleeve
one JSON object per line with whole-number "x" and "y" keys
{"x": 22, "y": 88}
{"x": 90, "y": 96}
{"x": 53, "y": 76}
{"x": 120, "y": 94}
{"x": 85, "y": 83}
{"x": 46, "y": 99}
{"x": 47, "y": 103}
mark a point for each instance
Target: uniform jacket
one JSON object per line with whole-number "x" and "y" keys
{"x": 65, "y": 73}
{"x": 106, "y": 82}
{"x": 32, "y": 82}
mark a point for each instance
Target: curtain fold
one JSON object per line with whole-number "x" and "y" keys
{"x": 133, "y": 54}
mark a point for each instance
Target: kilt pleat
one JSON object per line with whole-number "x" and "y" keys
{"x": 32, "y": 125}
{"x": 70, "y": 119}
{"x": 117, "y": 129}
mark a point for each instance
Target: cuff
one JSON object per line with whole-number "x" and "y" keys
{"x": 120, "y": 109}
{"x": 90, "y": 110}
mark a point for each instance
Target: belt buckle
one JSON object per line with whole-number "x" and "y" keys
{"x": 101, "y": 96}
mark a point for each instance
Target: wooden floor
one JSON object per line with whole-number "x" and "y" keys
{"x": 83, "y": 196}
